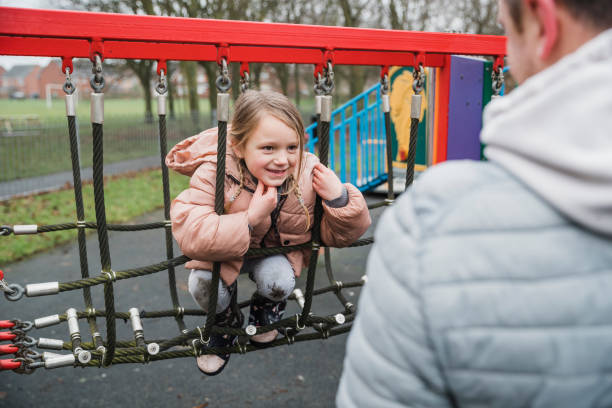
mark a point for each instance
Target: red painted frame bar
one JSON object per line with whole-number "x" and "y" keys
{"x": 72, "y": 34}
{"x": 442, "y": 101}
{"x": 61, "y": 33}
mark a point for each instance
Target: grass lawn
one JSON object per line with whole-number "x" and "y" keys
{"x": 126, "y": 197}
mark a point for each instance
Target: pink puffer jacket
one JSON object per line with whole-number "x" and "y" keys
{"x": 205, "y": 236}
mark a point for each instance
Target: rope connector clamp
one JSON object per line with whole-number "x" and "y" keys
{"x": 112, "y": 275}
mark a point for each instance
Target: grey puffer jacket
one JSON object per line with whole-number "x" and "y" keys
{"x": 490, "y": 284}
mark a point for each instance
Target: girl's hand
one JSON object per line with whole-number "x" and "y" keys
{"x": 326, "y": 183}
{"x": 262, "y": 204}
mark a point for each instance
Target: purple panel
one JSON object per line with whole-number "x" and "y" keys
{"x": 465, "y": 108}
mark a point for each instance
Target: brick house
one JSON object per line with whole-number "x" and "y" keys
{"x": 22, "y": 80}
{"x": 50, "y": 79}
{"x": 33, "y": 81}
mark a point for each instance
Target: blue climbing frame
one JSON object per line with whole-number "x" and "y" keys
{"x": 357, "y": 140}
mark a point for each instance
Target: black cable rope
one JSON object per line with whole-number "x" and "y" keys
{"x": 128, "y": 273}
{"x": 219, "y": 203}
{"x": 390, "y": 191}
{"x": 316, "y": 229}
{"x": 98, "y": 179}
{"x": 414, "y": 132}
{"x": 93, "y": 225}
{"x": 336, "y": 285}
{"x": 415, "y": 114}
{"x": 80, "y": 209}
{"x": 188, "y": 352}
{"x": 163, "y": 149}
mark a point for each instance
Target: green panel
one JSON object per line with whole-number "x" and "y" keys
{"x": 487, "y": 92}
{"x": 421, "y": 151}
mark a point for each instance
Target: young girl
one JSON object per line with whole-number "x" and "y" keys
{"x": 270, "y": 188}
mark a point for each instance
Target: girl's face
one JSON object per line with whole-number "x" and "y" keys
{"x": 271, "y": 151}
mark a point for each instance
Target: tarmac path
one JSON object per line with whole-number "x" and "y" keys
{"x": 305, "y": 374}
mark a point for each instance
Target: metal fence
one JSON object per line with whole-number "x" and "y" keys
{"x": 36, "y": 158}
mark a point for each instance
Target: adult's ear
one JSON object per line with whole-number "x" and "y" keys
{"x": 546, "y": 13}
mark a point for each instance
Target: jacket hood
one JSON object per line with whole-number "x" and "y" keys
{"x": 554, "y": 133}
{"x": 186, "y": 156}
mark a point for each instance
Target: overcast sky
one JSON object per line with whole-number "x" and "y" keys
{"x": 8, "y": 62}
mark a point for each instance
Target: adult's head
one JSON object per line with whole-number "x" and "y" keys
{"x": 540, "y": 32}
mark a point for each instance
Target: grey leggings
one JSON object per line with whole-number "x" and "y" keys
{"x": 273, "y": 275}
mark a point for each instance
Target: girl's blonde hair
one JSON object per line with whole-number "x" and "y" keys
{"x": 248, "y": 110}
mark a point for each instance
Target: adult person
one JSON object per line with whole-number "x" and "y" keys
{"x": 490, "y": 284}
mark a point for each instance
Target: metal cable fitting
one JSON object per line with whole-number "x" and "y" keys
{"x": 18, "y": 292}
{"x": 162, "y": 86}
{"x": 317, "y": 85}
{"x": 244, "y": 82}
{"x": 97, "y": 80}
{"x": 68, "y": 85}
{"x": 4, "y": 286}
{"x": 26, "y": 341}
{"x": 384, "y": 84}
{"x": 111, "y": 278}
{"x": 290, "y": 338}
{"x": 250, "y": 330}
{"x": 5, "y": 230}
{"x": 419, "y": 79}
{"x": 297, "y": 323}
{"x": 327, "y": 82}
{"x": 153, "y": 349}
{"x": 340, "y": 318}
{"x": 91, "y": 312}
{"x": 242, "y": 348}
{"x": 224, "y": 83}
{"x": 180, "y": 311}
{"x": 497, "y": 82}
{"x": 196, "y": 349}
{"x": 204, "y": 343}
{"x": 24, "y": 326}
{"x": 81, "y": 224}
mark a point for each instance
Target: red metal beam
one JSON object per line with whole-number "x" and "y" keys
{"x": 66, "y": 33}
{"x": 442, "y": 101}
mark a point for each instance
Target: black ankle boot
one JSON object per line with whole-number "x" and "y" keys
{"x": 263, "y": 312}
{"x": 213, "y": 364}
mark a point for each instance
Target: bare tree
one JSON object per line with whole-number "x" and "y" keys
{"x": 477, "y": 16}
{"x": 141, "y": 68}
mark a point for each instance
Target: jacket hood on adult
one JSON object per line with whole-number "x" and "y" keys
{"x": 554, "y": 133}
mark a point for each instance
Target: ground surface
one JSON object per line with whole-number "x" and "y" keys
{"x": 305, "y": 374}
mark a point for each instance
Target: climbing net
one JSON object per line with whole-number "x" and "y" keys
{"x": 109, "y": 351}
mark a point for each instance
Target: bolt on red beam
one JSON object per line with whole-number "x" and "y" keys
{"x": 9, "y": 364}
{"x": 6, "y": 324}
{"x": 8, "y": 349}
{"x": 4, "y": 335}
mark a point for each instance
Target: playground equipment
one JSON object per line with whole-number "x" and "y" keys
{"x": 100, "y": 36}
